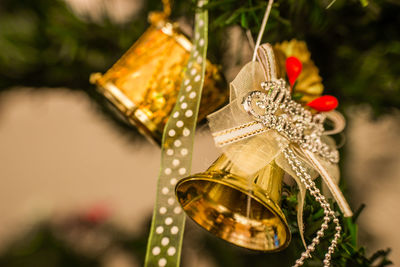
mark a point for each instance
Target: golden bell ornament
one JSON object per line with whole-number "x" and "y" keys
{"x": 239, "y": 209}
{"x": 144, "y": 83}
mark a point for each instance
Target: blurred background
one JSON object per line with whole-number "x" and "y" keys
{"x": 77, "y": 185}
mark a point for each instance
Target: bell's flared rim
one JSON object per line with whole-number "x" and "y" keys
{"x": 233, "y": 182}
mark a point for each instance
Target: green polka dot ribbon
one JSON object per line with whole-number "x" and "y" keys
{"x": 165, "y": 240}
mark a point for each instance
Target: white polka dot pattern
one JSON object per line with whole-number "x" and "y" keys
{"x": 156, "y": 250}
{"x": 184, "y": 152}
{"x": 174, "y": 230}
{"x": 171, "y": 201}
{"x": 189, "y": 113}
{"x": 171, "y": 251}
{"x": 164, "y": 245}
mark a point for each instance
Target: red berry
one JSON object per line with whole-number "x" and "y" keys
{"x": 324, "y": 103}
{"x": 293, "y": 69}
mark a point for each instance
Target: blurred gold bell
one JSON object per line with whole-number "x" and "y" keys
{"x": 144, "y": 83}
{"x": 239, "y": 209}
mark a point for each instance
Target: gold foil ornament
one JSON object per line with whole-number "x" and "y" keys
{"x": 144, "y": 83}
{"x": 241, "y": 209}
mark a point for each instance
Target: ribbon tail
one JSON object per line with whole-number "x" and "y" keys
{"x": 168, "y": 222}
{"x": 329, "y": 181}
{"x": 300, "y": 207}
{"x": 281, "y": 162}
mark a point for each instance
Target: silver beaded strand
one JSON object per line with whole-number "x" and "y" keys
{"x": 305, "y": 178}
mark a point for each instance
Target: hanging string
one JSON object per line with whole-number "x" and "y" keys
{"x": 255, "y": 47}
{"x": 262, "y": 29}
{"x": 167, "y": 7}
{"x": 330, "y": 4}
{"x": 250, "y": 38}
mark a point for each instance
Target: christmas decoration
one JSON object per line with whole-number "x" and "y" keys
{"x": 165, "y": 240}
{"x": 234, "y": 201}
{"x": 293, "y": 69}
{"x": 48, "y": 46}
{"x": 324, "y": 103}
{"x": 240, "y": 208}
{"x": 143, "y": 85}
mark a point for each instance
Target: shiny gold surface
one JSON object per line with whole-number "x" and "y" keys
{"x": 241, "y": 210}
{"x": 145, "y": 82}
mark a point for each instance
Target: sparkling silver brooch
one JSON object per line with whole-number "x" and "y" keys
{"x": 275, "y": 109}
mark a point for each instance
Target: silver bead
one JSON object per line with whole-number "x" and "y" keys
{"x": 299, "y": 262}
{"x": 305, "y": 255}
